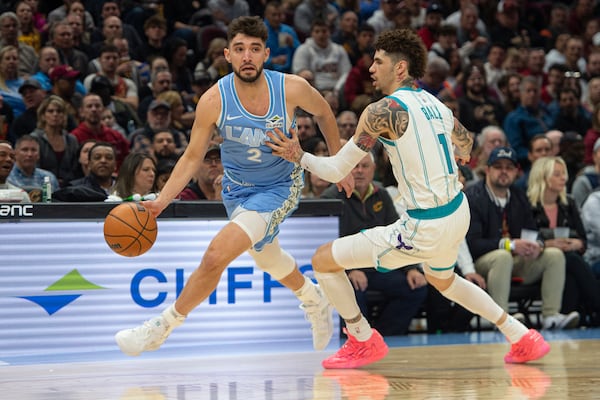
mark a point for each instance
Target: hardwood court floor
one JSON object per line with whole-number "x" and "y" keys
{"x": 467, "y": 366}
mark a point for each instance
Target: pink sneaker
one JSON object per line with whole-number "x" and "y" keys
{"x": 355, "y": 354}
{"x": 531, "y": 347}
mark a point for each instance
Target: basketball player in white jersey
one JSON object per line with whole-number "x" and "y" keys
{"x": 259, "y": 189}
{"x": 422, "y": 139}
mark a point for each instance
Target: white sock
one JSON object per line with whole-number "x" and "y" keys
{"x": 339, "y": 292}
{"x": 361, "y": 330}
{"x": 513, "y": 329}
{"x": 473, "y": 298}
{"x": 308, "y": 293}
{"x": 173, "y": 317}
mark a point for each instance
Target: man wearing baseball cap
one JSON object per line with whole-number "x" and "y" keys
{"x": 33, "y": 94}
{"x": 500, "y": 213}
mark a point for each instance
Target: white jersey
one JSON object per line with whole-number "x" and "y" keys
{"x": 423, "y": 158}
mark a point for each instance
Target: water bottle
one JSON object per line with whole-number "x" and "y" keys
{"x": 47, "y": 190}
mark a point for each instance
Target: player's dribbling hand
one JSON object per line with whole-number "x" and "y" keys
{"x": 285, "y": 147}
{"x": 346, "y": 185}
{"x": 155, "y": 207}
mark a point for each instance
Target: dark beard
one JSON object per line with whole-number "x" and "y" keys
{"x": 251, "y": 79}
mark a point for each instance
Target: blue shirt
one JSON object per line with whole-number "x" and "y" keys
{"x": 277, "y": 50}
{"x": 18, "y": 178}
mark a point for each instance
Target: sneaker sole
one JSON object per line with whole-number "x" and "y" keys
{"x": 356, "y": 363}
{"x": 544, "y": 349}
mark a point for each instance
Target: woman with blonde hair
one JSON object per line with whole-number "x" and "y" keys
{"x": 214, "y": 63}
{"x": 59, "y": 150}
{"x": 560, "y": 226}
{"x": 10, "y": 81}
{"x": 181, "y": 117}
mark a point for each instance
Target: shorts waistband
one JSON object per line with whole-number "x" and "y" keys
{"x": 437, "y": 212}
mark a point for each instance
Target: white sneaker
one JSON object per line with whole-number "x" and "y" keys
{"x": 561, "y": 321}
{"x": 150, "y": 335}
{"x": 320, "y": 317}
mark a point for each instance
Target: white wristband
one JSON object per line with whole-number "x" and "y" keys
{"x": 334, "y": 168}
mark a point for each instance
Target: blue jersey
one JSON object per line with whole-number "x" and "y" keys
{"x": 246, "y": 159}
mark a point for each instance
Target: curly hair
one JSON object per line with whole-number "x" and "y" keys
{"x": 249, "y": 26}
{"x": 404, "y": 45}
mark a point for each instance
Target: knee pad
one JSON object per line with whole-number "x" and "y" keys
{"x": 251, "y": 222}
{"x": 274, "y": 260}
{"x": 439, "y": 273}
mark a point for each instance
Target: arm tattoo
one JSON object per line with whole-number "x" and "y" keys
{"x": 386, "y": 117}
{"x": 462, "y": 138}
{"x": 365, "y": 141}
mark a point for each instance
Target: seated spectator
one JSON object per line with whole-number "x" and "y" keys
{"x": 32, "y": 94}
{"x": 59, "y": 150}
{"x": 434, "y": 80}
{"x": 60, "y": 13}
{"x": 158, "y": 119}
{"x": 592, "y": 136}
{"x": 206, "y": 184}
{"x": 347, "y": 122}
{"x": 308, "y": 11}
{"x": 48, "y": 60}
{"x": 404, "y": 289}
{"x": 164, "y": 168}
{"x": 306, "y": 128}
{"x": 9, "y": 37}
{"x": 527, "y": 120}
{"x": 125, "y": 117}
{"x": 214, "y": 63}
{"x": 552, "y": 209}
{"x": 590, "y": 215}
{"x": 84, "y": 152}
{"x": 160, "y": 81}
{"x": 282, "y": 39}
{"x": 136, "y": 176}
{"x": 499, "y": 213}
{"x": 163, "y": 146}
{"x": 182, "y": 114}
{"x": 91, "y": 127}
{"x": 155, "y": 31}
{"x": 359, "y": 91}
{"x": 572, "y": 151}
{"x": 490, "y": 137}
{"x": 98, "y": 183}
{"x": 61, "y": 38}
{"x": 10, "y": 82}
{"x": 176, "y": 55}
{"x": 28, "y": 33}
{"x": 327, "y": 62}
{"x": 555, "y": 137}
{"x": 568, "y": 114}
{"x": 6, "y": 120}
{"x": 7, "y": 161}
{"x": 25, "y": 173}
{"x": 539, "y": 146}
{"x": 589, "y": 178}
{"x": 64, "y": 82}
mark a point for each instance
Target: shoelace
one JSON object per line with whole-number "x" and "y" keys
{"x": 312, "y": 314}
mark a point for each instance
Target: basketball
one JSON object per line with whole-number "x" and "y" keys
{"x": 129, "y": 229}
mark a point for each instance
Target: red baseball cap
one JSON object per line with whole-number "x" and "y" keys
{"x": 63, "y": 72}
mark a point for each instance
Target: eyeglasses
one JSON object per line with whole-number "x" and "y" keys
{"x": 212, "y": 160}
{"x": 573, "y": 74}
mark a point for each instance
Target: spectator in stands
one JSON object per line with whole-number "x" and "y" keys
{"x": 347, "y": 122}
{"x": 569, "y": 115}
{"x": 113, "y": 27}
{"x": 206, "y": 184}
{"x": 477, "y": 109}
{"x": 308, "y": 11}
{"x": 64, "y": 81}
{"x": 84, "y": 152}
{"x": 91, "y": 127}
{"x": 305, "y": 128}
{"x": 572, "y": 151}
{"x": 539, "y": 146}
{"x": 592, "y": 135}
{"x": 282, "y": 39}
{"x": 319, "y": 57}
{"x": 7, "y": 161}
{"x": 499, "y": 213}
{"x": 224, "y": 11}
{"x": 108, "y": 120}
{"x": 345, "y": 34}
{"x": 527, "y": 120}
{"x": 25, "y": 173}
{"x": 182, "y": 114}
{"x": 136, "y": 176}
{"x": 365, "y": 37}
{"x": 435, "y": 79}
{"x": 557, "y": 24}
{"x": 124, "y": 88}
{"x": 553, "y": 209}
{"x": 590, "y": 215}
{"x": 49, "y": 59}
{"x": 510, "y": 30}
{"x": 32, "y": 94}
{"x": 164, "y": 168}
{"x": 61, "y": 35}
{"x": 28, "y": 33}
{"x": 359, "y": 91}
{"x": 123, "y": 113}
{"x": 490, "y": 137}
{"x": 589, "y": 178}
{"x": 494, "y": 65}
{"x": 383, "y": 18}
{"x": 155, "y": 30}
{"x": 98, "y": 183}
{"x": 574, "y": 54}
{"x": 158, "y": 119}
{"x": 433, "y": 20}
{"x": 163, "y": 146}
{"x": 10, "y": 82}
{"x": 214, "y": 63}
{"x": 176, "y": 55}
{"x": 472, "y": 41}
{"x": 9, "y": 36}
{"x": 404, "y": 289}
{"x": 58, "y": 150}
{"x": 160, "y": 81}
{"x": 59, "y": 14}
{"x": 556, "y": 79}
{"x": 81, "y": 38}
{"x": 591, "y": 96}
{"x": 535, "y": 61}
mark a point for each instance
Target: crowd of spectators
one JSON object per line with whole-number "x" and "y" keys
{"x": 86, "y": 86}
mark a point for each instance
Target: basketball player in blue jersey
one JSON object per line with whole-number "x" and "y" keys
{"x": 259, "y": 189}
{"x": 422, "y": 139}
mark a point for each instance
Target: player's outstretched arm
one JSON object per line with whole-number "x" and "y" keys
{"x": 463, "y": 142}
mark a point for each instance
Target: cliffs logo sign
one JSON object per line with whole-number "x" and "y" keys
{"x": 71, "y": 282}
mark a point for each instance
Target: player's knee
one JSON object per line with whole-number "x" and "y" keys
{"x": 322, "y": 260}
{"x": 213, "y": 261}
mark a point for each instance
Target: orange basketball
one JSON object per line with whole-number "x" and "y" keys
{"x": 129, "y": 229}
